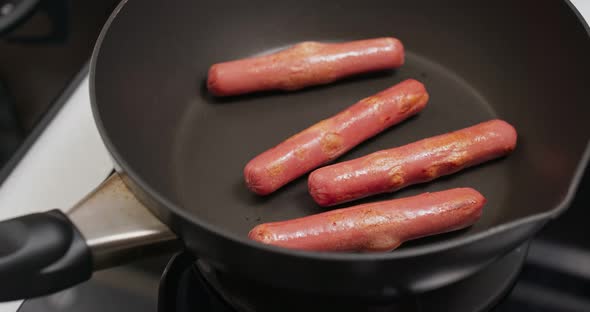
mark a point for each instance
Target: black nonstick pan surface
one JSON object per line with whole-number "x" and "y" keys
{"x": 184, "y": 150}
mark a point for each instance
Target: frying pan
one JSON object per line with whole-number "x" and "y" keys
{"x": 180, "y": 152}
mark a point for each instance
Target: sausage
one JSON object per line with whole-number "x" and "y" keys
{"x": 333, "y": 137}
{"x": 379, "y": 226}
{"x": 304, "y": 64}
{"x": 421, "y": 161}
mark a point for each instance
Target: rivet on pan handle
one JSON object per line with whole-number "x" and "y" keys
{"x": 117, "y": 227}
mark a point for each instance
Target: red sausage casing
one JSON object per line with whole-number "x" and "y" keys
{"x": 304, "y": 64}
{"x": 425, "y": 160}
{"x": 333, "y": 137}
{"x": 380, "y": 226}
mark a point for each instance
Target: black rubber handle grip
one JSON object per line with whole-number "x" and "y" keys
{"x": 39, "y": 254}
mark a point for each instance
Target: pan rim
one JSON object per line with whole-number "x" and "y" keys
{"x": 409, "y": 252}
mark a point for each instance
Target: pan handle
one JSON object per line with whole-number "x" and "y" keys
{"x": 40, "y": 252}
{"x": 46, "y": 252}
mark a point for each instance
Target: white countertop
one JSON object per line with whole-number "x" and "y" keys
{"x": 66, "y": 162}
{"x": 69, "y": 160}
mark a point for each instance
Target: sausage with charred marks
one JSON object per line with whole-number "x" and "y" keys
{"x": 334, "y": 136}
{"x": 304, "y": 64}
{"x": 421, "y": 161}
{"x": 380, "y": 226}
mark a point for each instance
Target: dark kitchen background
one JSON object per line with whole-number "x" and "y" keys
{"x": 47, "y": 48}
{"x": 44, "y": 44}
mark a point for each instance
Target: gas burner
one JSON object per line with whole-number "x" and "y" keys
{"x": 186, "y": 285}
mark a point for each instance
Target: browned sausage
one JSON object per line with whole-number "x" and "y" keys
{"x": 305, "y": 64}
{"x": 380, "y": 226}
{"x": 392, "y": 169}
{"x": 333, "y": 137}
